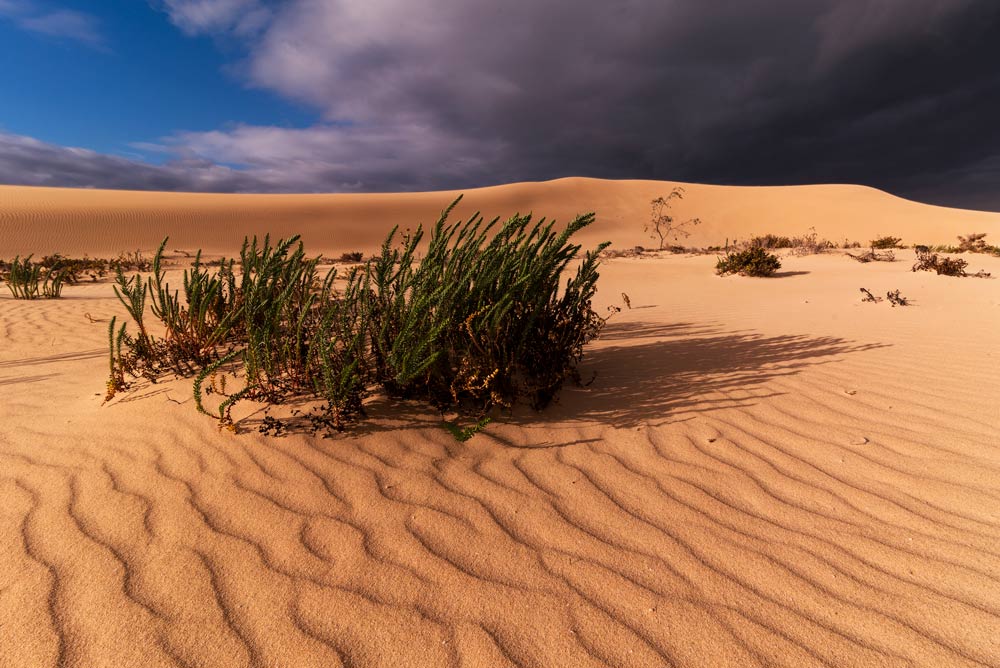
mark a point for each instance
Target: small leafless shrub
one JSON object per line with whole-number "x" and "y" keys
{"x": 662, "y": 225}
{"x": 896, "y": 299}
{"x": 867, "y": 296}
{"x": 873, "y": 256}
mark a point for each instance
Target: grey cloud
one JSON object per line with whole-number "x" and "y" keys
{"x": 27, "y": 161}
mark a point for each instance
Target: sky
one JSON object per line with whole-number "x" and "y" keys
{"x": 390, "y": 95}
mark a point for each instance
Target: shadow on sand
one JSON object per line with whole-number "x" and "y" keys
{"x": 686, "y": 369}
{"x": 643, "y": 374}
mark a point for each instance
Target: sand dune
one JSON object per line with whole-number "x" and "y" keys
{"x": 763, "y": 472}
{"x": 74, "y": 221}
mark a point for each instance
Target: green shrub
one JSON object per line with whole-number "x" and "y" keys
{"x": 479, "y": 323}
{"x": 27, "y": 280}
{"x": 885, "y": 243}
{"x": 753, "y": 261}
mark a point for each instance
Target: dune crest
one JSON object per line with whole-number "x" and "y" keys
{"x": 76, "y": 221}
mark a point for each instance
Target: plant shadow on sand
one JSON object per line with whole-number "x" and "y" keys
{"x": 645, "y": 374}
{"x": 686, "y": 369}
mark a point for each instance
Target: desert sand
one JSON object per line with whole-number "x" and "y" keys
{"x": 763, "y": 472}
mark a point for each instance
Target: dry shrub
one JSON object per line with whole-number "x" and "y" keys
{"x": 873, "y": 256}
{"x": 944, "y": 266}
{"x": 662, "y": 225}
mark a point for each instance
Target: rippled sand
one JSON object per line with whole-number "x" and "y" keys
{"x": 762, "y": 473}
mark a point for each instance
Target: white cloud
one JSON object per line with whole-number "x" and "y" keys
{"x": 241, "y": 17}
{"x": 58, "y": 23}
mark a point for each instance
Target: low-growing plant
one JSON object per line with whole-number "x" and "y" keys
{"x": 770, "y": 241}
{"x": 28, "y": 280}
{"x": 873, "y": 256}
{"x": 896, "y": 299}
{"x": 810, "y": 244}
{"x": 352, "y": 256}
{"x": 805, "y": 244}
{"x": 885, "y": 243}
{"x": 752, "y": 261}
{"x": 867, "y": 296}
{"x": 927, "y": 261}
{"x": 973, "y": 243}
{"x": 479, "y": 323}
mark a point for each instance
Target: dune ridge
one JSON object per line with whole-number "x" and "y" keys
{"x": 102, "y": 222}
{"x": 761, "y": 473}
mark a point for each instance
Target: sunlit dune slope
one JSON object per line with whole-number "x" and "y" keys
{"x": 73, "y": 221}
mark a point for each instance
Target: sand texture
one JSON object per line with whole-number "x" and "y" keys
{"x": 763, "y": 472}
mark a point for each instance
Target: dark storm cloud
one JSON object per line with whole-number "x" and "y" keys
{"x": 897, "y": 94}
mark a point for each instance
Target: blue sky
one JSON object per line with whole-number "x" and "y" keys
{"x": 124, "y": 75}
{"x": 382, "y": 95}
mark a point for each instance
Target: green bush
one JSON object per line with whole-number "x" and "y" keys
{"x": 479, "y": 323}
{"x": 27, "y": 280}
{"x": 752, "y": 261}
{"x": 885, "y": 243}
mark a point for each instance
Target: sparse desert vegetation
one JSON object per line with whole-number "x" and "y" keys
{"x": 752, "y": 261}
{"x": 28, "y": 280}
{"x": 873, "y": 255}
{"x": 662, "y": 224}
{"x": 885, "y": 243}
{"x": 943, "y": 266}
{"x": 479, "y": 323}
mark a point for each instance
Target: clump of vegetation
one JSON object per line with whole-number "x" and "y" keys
{"x": 352, "y": 256}
{"x": 896, "y": 299}
{"x": 873, "y": 256}
{"x": 973, "y": 243}
{"x": 28, "y": 280}
{"x": 663, "y": 225}
{"x": 927, "y": 261}
{"x": 770, "y": 241}
{"x": 806, "y": 244}
{"x": 810, "y": 244}
{"x": 885, "y": 243}
{"x": 943, "y": 266}
{"x": 480, "y": 323}
{"x": 73, "y": 270}
{"x": 752, "y": 261}
{"x": 867, "y": 296}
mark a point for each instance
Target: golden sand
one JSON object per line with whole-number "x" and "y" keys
{"x": 764, "y": 472}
